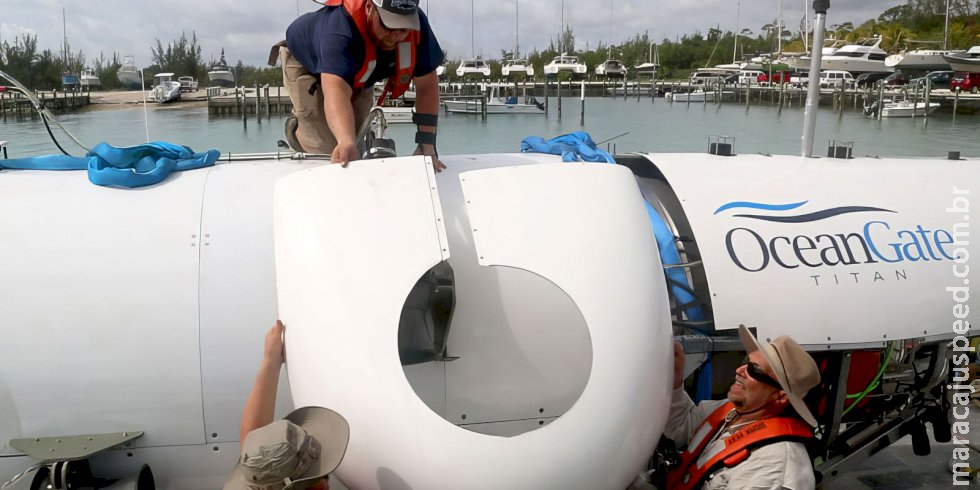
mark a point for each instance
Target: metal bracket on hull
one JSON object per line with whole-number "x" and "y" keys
{"x": 70, "y": 448}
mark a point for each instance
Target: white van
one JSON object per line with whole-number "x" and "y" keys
{"x": 749, "y": 77}
{"x": 836, "y": 78}
{"x": 710, "y": 76}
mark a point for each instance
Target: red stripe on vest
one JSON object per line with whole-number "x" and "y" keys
{"x": 397, "y": 83}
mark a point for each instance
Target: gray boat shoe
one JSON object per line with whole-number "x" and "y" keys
{"x": 290, "y": 128}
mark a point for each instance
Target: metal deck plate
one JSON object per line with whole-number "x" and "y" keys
{"x": 70, "y": 448}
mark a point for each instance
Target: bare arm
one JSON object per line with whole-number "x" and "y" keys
{"x": 260, "y": 408}
{"x": 684, "y": 417}
{"x": 340, "y": 117}
{"x": 427, "y": 102}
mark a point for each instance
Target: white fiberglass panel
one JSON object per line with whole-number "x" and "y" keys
{"x": 828, "y": 251}
{"x": 351, "y": 243}
{"x": 99, "y": 304}
{"x": 238, "y": 289}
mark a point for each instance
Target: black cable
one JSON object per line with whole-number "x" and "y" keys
{"x": 45, "y": 120}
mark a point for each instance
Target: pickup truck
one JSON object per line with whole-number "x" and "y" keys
{"x": 778, "y": 77}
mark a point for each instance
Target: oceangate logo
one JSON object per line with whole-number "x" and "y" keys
{"x": 877, "y": 241}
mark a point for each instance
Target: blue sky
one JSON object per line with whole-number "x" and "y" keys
{"x": 246, "y": 28}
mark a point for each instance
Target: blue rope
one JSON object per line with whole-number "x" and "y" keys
{"x": 128, "y": 167}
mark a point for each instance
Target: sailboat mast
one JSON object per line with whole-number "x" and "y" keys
{"x": 738, "y": 13}
{"x": 517, "y": 30}
{"x": 561, "y": 36}
{"x": 779, "y": 29}
{"x": 609, "y": 54}
{"x": 806, "y": 27}
{"x": 472, "y": 33}
{"x": 64, "y": 42}
{"x": 946, "y": 28}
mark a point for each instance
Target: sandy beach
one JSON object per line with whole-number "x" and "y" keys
{"x": 127, "y": 99}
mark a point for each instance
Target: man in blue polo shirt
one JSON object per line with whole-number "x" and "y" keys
{"x": 333, "y": 57}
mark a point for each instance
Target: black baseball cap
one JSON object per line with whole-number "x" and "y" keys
{"x": 399, "y": 14}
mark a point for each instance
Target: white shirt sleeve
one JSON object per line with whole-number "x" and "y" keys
{"x": 685, "y": 417}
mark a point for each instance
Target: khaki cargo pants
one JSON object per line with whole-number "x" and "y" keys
{"x": 306, "y": 94}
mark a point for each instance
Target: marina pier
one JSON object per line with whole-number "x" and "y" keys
{"x": 14, "y": 103}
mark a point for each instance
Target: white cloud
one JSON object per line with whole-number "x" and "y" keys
{"x": 247, "y": 28}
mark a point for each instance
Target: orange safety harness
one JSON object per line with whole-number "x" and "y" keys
{"x": 696, "y": 466}
{"x": 404, "y": 54}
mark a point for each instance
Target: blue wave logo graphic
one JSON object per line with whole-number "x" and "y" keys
{"x": 759, "y": 205}
{"x": 800, "y": 218}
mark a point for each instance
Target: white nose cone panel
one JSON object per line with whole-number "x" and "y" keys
{"x": 350, "y": 245}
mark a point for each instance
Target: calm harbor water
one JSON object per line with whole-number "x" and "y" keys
{"x": 657, "y": 127}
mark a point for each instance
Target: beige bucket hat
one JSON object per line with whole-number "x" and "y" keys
{"x": 794, "y": 368}
{"x": 293, "y": 453}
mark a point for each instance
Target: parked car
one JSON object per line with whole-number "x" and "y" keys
{"x": 748, "y": 77}
{"x": 965, "y": 81}
{"x": 778, "y": 77}
{"x": 940, "y": 79}
{"x": 800, "y": 79}
{"x": 896, "y": 79}
{"x": 709, "y": 76}
{"x": 868, "y": 79}
{"x": 732, "y": 79}
{"x": 836, "y": 78}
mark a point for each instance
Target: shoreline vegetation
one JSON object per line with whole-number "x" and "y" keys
{"x": 914, "y": 24}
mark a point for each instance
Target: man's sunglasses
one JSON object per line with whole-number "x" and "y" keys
{"x": 756, "y": 373}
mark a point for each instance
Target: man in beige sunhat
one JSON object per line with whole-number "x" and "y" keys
{"x": 295, "y": 453}
{"x": 755, "y": 438}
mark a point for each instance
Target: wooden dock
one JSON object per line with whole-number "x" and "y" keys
{"x": 249, "y": 100}
{"x": 14, "y": 103}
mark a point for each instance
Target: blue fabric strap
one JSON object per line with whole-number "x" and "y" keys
{"x": 129, "y": 167}
{"x": 573, "y": 147}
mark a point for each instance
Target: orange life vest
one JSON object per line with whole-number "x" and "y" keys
{"x": 695, "y": 466}
{"x": 404, "y": 53}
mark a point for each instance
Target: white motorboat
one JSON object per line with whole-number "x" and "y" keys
{"x": 496, "y": 103}
{"x": 902, "y": 108}
{"x": 220, "y": 75}
{"x": 801, "y": 61}
{"x": 398, "y": 115}
{"x": 646, "y": 69}
{"x": 187, "y": 84}
{"x": 968, "y": 61}
{"x": 920, "y": 59}
{"x": 517, "y": 67}
{"x": 89, "y": 80}
{"x": 473, "y": 67}
{"x": 710, "y": 76}
{"x": 129, "y": 75}
{"x": 695, "y": 96}
{"x": 649, "y": 69}
{"x": 864, "y": 56}
{"x": 165, "y": 89}
{"x": 565, "y": 63}
{"x": 611, "y": 68}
